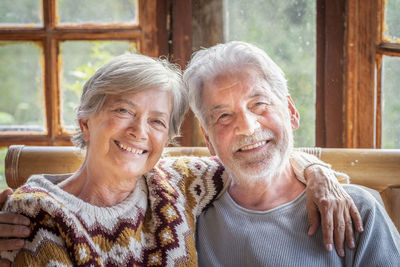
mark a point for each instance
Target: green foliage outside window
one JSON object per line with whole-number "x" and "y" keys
{"x": 80, "y": 60}
{"x": 3, "y": 183}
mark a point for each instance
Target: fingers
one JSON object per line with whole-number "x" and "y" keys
{"x": 339, "y": 232}
{"x": 313, "y": 217}
{"x": 349, "y": 231}
{"x": 11, "y": 230}
{"x": 327, "y": 225}
{"x": 12, "y": 218}
{"x": 4, "y": 195}
{"x": 356, "y": 217}
{"x": 11, "y": 244}
{"x": 4, "y": 263}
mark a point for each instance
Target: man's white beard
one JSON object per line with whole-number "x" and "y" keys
{"x": 267, "y": 165}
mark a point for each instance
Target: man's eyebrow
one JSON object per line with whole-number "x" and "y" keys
{"x": 217, "y": 107}
{"x": 261, "y": 92}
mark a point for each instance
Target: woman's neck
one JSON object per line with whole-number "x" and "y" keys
{"x": 99, "y": 188}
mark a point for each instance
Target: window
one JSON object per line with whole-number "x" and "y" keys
{"x": 286, "y": 30}
{"x": 49, "y": 48}
{"x": 388, "y": 61}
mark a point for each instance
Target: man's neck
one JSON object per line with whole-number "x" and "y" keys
{"x": 268, "y": 193}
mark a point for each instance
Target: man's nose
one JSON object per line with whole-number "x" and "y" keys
{"x": 138, "y": 128}
{"x": 246, "y": 123}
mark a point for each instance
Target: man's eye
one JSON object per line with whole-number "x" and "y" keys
{"x": 259, "y": 107}
{"x": 222, "y": 116}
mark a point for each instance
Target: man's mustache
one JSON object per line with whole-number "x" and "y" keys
{"x": 258, "y": 136}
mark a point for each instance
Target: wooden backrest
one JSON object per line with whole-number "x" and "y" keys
{"x": 373, "y": 168}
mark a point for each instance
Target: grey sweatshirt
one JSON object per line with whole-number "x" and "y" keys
{"x": 230, "y": 235}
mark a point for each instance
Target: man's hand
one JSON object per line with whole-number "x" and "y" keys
{"x": 11, "y": 225}
{"x": 325, "y": 196}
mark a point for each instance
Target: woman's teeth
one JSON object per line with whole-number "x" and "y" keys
{"x": 130, "y": 149}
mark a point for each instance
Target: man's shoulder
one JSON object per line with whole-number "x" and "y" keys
{"x": 364, "y": 198}
{"x": 360, "y": 192}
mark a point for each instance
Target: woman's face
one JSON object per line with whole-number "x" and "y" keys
{"x": 129, "y": 133}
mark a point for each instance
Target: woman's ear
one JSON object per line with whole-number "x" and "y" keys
{"x": 294, "y": 114}
{"x": 208, "y": 143}
{"x": 83, "y": 124}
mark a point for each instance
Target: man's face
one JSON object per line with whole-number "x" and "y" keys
{"x": 247, "y": 126}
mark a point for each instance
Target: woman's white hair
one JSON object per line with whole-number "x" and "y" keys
{"x": 222, "y": 59}
{"x": 132, "y": 73}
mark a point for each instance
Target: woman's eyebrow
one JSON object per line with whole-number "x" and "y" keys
{"x": 126, "y": 101}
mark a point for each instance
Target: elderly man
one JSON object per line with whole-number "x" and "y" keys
{"x": 247, "y": 116}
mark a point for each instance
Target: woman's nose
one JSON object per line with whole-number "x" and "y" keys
{"x": 138, "y": 128}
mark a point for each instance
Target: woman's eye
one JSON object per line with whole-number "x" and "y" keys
{"x": 222, "y": 116}
{"x": 160, "y": 122}
{"x": 122, "y": 110}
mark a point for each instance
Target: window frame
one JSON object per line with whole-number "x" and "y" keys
{"x": 151, "y": 33}
{"x": 349, "y": 73}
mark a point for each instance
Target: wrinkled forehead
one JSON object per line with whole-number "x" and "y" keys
{"x": 247, "y": 82}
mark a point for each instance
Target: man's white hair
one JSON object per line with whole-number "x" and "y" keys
{"x": 222, "y": 59}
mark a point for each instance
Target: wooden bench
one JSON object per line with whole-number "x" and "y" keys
{"x": 373, "y": 168}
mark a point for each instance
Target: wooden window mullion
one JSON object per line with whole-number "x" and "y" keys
{"x": 50, "y": 70}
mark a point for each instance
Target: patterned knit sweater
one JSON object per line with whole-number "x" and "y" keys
{"x": 153, "y": 226}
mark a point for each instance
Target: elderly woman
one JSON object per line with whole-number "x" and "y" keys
{"x": 124, "y": 206}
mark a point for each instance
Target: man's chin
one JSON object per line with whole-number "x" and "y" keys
{"x": 259, "y": 166}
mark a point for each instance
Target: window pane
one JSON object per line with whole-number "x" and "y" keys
{"x": 391, "y": 102}
{"x": 286, "y": 31}
{"x": 94, "y": 11}
{"x": 392, "y": 20}
{"x": 20, "y": 12}
{"x": 80, "y": 60}
{"x": 3, "y": 152}
{"x": 21, "y": 87}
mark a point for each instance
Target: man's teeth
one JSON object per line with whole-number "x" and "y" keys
{"x": 253, "y": 146}
{"x": 130, "y": 149}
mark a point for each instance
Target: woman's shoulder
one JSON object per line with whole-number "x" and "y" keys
{"x": 36, "y": 194}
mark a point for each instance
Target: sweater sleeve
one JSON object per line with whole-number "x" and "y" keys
{"x": 300, "y": 161}
{"x": 197, "y": 180}
{"x": 46, "y": 254}
{"x": 44, "y": 246}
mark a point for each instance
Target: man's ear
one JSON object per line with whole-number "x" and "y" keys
{"x": 294, "y": 114}
{"x": 208, "y": 143}
{"x": 83, "y": 124}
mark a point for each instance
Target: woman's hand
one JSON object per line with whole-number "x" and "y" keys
{"x": 13, "y": 227}
{"x": 327, "y": 199}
